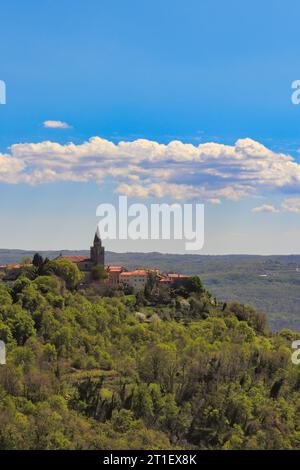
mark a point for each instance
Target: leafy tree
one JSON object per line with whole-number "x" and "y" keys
{"x": 84, "y": 371}
{"x": 66, "y": 270}
{"x": 98, "y": 273}
{"x": 21, "y": 324}
{"x": 194, "y": 284}
{"x": 38, "y": 261}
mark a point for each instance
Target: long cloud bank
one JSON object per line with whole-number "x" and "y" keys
{"x": 144, "y": 168}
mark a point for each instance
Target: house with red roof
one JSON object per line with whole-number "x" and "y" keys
{"x": 117, "y": 276}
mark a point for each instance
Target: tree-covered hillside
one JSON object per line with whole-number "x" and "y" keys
{"x": 269, "y": 283}
{"x": 165, "y": 369}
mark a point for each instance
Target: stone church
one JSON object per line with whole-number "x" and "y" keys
{"x": 97, "y": 257}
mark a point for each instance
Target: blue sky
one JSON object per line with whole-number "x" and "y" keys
{"x": 189, "y": 71}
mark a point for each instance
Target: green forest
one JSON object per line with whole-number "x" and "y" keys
{"x": 163, "y": 369}
{"x": 269, "y": 283}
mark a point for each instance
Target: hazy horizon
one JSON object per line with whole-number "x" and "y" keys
{"x": 151, "y": 252}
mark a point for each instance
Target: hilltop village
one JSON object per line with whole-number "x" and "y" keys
{"x": 101, "y": 357}
{"x": 95, "y": 271}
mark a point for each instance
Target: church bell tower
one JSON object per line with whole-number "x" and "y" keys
{"x": 97, "y": 251}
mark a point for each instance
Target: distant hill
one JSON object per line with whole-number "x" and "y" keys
{"x": 270, "y": 283}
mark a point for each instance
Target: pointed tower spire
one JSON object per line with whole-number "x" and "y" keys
{"x": 97, "y": 238}
{"x": 97, "y": 250}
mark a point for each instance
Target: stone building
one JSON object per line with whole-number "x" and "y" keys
{"x": 117, "y": 276}
{"x": 97, "y": 251}
{"x": 114, "y": 274}
{"x": 97, "y": 258}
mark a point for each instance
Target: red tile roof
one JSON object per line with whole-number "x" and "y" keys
{"x": 115, "y": 269}
{"x": 76, "y": 259}
{"x": 137, "y": 272}
{"x": 14, "y": 266}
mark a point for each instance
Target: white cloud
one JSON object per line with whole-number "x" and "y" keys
{"x": 10, "y": 168}
{"x": 142, "y": 168}
{"x": 291, "y": 204}
{"x": 265, "y": 208}
{"x": 56, "y": 125}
